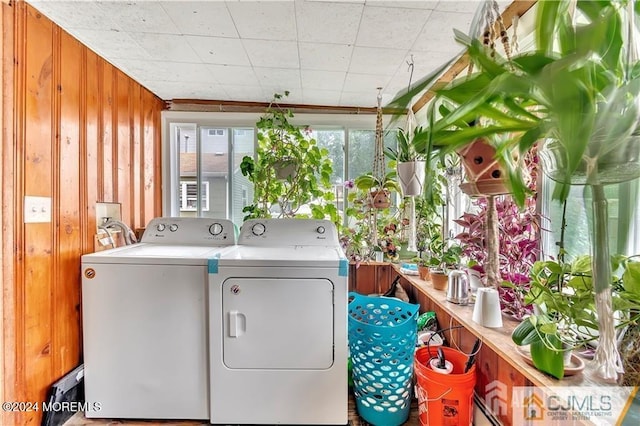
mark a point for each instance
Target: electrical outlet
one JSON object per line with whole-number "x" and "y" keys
{"x": 37, "y": 209}
{"x": 107, "y": 210}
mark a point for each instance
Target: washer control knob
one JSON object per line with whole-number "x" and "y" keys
{"x": 161, "y": 227}
{"x": 320, "y": 229}
{"x": 215, "y": 229}
{"x": 258, "y": 229}
{"x": 173, "y": 227}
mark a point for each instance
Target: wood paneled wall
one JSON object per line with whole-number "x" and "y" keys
{"x": 78, "y": 130}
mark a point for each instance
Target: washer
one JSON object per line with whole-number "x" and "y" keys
{"x": 144, "y": 321}
{"x": 278, "y": 326}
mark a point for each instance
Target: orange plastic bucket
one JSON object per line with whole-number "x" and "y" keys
{"x": 444, "y": 399}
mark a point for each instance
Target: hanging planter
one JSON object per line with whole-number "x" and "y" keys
{"x": 380, "y": 199}
{"x": 287, "y": 168}
{"x": 484, "y": 174}
{"x": 411, "y": 175}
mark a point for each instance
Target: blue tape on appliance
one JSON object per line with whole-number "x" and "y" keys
{"x": 212, "y": 264}
{"x": 343, "y": 269}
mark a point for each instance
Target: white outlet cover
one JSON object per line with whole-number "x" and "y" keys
{"x": 37, "y": 209}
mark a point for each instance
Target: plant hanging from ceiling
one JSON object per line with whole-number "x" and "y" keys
{"x": 291, "y": 173}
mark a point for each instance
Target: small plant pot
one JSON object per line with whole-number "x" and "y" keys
{"x": 378, "y": 256}
{"x": 439, "y": 280}
{"x": 423, "y": 273}
{"x": 380, "y": 199}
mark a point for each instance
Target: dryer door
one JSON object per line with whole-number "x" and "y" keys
{"x": 284, "y": 323}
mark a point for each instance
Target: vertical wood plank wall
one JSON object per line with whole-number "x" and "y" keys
{"x": 78, "y": 130}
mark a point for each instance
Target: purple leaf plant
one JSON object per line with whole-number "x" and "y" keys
{"x": 518, "y": 235}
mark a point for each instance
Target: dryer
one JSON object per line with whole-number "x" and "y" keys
{"x": 278, "y": 326}
{"x": 145, "y": 319}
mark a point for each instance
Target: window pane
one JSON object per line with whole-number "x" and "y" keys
{"x": 214, "y": 165}
{"x": 185, "y": 135}
{"x": 361, "y": 150}
{"x": 623, "y": 200}
{"x": 243, "y": 144}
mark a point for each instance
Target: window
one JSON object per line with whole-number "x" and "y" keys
{"x": 215, "y": 132}
{"x": 188, "y": 196}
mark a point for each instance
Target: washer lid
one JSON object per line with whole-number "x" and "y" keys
{"x": 157, "y": 254}
{"x": 303, "y": 256}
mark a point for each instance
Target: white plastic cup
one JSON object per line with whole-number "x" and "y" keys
{"x": 486, "y": 310}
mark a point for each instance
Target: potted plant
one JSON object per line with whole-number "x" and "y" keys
{"x": 565, "y": 317}
{"x": 379, "y": 189}
{"x": 410, "y": 165}
{"x": 289, "y": 171}
{"x": 591, "y": 64}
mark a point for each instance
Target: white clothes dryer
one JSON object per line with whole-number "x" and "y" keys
{"x": 278, "y": 326}
{"x": 145, "y": 320}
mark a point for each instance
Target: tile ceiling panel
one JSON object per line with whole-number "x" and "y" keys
{"x": 328, "y": 80}
{"x": 139, "y": 17}
{"x": 408, "y": 24}
{"x": 324, "y": 52}
{"x": 266, "y": 20}
{"x": 201, "y": 18}
{"x": 167, "y": 47}
{"x": 343, "y": 19}
{"x": 234, "y": 75}
{"x": 219, "y": 50}
{"x": 325, "y": 57}
{"x": 275, "y": 54}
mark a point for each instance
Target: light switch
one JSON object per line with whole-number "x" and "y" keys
{"x": 37, "y": 209}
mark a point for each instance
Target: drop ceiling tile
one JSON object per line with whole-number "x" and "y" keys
{"x": 219, "y": 50}
{"x": 363, "y": 99}
{"x": 142, "y": 17}
{"x": 372, "y": 60}
{"x": 325, "y": 57}
{"x": 166, "y": 71}
{"x": 168, "y": 47}
{"x": 410, "y": 4}
{"x": 266, "y": 20}
{"x": 279, "y": 80}
{"x": 234, "y": 75}
{"x": 364, "y": 82}
{"x": 437, "y": 34}
{"x": 328, "y": 80}
{"x": 321, "y": 97}
{"x": 468, "y": 6}
{"x": 407, "y": 24}
{"x": 201, "y": 18}
{"x": 84, "y": 15}
{"x": 114, "y": 44}
{"x": 322, "y": 24}
{"x": 247, "y": 93}
{"x": 275, "y": 54}
{"x": 186, "y": 90}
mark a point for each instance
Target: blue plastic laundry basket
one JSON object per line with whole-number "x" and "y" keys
{"x": 382, "y": 340}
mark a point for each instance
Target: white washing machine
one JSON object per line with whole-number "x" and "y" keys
{"x": 145, "y": 319}
{"x": 278, "y": 326}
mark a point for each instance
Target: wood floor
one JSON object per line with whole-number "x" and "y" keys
{"x": 354, "y": 420}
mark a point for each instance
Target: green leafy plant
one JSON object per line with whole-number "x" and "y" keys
{"x": 566, "y": 316}
{"x": 370, "y": 182}
{"x": 405, "y": 150}
{"x": 282, "y": 144}
{"x": 590, "y": 64}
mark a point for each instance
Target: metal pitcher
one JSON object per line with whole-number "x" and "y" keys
{"x": 458, "y": 289}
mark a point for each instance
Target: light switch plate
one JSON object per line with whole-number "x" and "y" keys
{"x": 37, "y": 209}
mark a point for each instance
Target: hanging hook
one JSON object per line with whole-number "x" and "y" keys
{"x": 410, "y": 64}
{"x": 379, "y": 96}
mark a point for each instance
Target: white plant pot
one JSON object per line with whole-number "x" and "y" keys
{"x": 411, "y": 176}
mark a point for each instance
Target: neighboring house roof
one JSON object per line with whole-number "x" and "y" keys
{"x": 211, "y": 163}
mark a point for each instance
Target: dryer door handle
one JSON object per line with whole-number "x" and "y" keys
{"x": 237, "y": 324}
